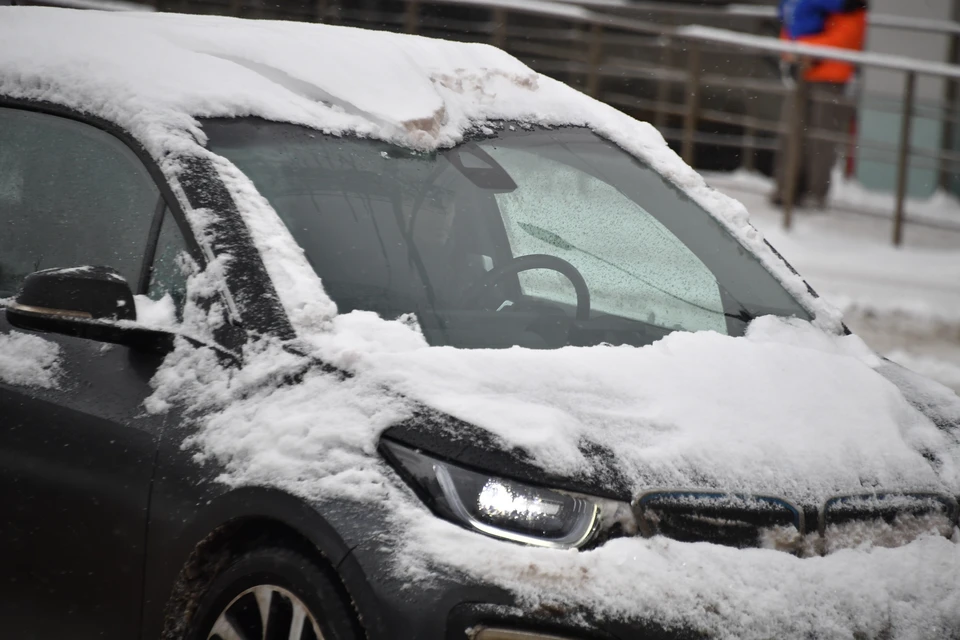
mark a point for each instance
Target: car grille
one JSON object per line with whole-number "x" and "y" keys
{"x": 744, "y": 520}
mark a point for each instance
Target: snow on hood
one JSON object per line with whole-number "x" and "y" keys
{"x": 788, "y": 410}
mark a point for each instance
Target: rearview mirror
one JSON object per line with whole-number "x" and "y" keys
{"x": 84, "y": 302}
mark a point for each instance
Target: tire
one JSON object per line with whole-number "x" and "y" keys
{"x": 282, "y": 586}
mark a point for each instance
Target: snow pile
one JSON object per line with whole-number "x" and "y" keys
{"x": 317, "y": 438}
{"x": 29, "y": 361}
{"x": 156, "y": 314}
{"x": 944, "y": 372}
{"x": 879, "y": 533}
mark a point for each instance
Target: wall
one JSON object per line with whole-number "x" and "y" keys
{"x": 883, "y": 92}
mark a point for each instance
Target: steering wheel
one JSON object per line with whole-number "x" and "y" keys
{"x": 527, "y": 263}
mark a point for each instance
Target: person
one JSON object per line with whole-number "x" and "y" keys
{"x": 833, "y": 23}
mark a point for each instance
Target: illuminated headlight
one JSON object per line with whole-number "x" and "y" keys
{"x": 504, "y": 508}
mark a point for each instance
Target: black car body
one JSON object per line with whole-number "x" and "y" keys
{"x": 121, "y": 522}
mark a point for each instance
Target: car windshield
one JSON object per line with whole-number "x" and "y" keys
{"x": 520, "y": 235}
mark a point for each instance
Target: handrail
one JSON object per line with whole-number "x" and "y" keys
{"x": 885, "y": 20}
{"x": 698, "y": 36}
{"x": 563, "y": 10}
{"x": 775, "y": 45}
{"x": 535, "y": 7}
{"x": 560, "y": 9}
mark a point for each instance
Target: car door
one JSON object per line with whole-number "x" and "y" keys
{"x": 77, "y": 449}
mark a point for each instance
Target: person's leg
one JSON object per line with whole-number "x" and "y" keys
{"x": 781, "y": 160}
{"x": 831, "y": 115}
{"x": 783, "y": 148}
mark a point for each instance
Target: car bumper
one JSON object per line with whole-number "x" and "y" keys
{"x": 447, "y": 606}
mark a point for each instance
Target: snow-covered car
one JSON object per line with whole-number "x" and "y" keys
{"x": 312, "y": 332}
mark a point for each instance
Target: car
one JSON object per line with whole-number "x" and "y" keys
{"x": 314, "y": 332}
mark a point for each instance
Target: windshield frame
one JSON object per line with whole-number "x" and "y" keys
{"x": 220, "y": 131}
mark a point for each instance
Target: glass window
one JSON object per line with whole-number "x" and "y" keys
{"x": 483, "y": 241}
{"x": 70, "y": 195}
{"x": 169, "y": 268}
{"x": 634, "y": 266}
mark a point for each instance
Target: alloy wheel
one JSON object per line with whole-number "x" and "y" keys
{"x": 266, "y": 612}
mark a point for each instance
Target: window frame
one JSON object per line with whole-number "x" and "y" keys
{"x": 166, "y": 198}
{"x": 236, "y": 234}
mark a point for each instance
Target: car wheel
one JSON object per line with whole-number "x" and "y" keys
{"x": 274, "y": 594}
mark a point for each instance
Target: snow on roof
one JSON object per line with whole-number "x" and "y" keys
{"x": 148, "y": 71}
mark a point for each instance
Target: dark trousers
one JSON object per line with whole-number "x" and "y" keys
{"x": 817, "y": 157}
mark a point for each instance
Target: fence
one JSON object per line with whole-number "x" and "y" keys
{"x": 689, "y": 81}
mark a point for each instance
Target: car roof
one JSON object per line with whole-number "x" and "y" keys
{"x": 169, "y": 68}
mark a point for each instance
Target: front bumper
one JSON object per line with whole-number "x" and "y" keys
{"x": 447, "y": 606}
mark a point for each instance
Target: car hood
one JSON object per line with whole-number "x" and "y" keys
{"x": 786, "y": 411}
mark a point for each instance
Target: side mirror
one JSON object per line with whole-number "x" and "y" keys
{"x": 80, "y": 292}
{"x": 85, "y": 302}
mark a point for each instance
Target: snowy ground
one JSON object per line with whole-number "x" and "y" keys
{"x": 904, "y": 302}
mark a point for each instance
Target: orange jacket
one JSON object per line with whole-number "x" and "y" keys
{"x": 844, "y": 31}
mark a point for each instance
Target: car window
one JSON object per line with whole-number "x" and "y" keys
{"x": 168, "y": 271}
{"x": 520, "y": 235}
{"x": 70, "y": 195}
{"x": 635, "y": 266}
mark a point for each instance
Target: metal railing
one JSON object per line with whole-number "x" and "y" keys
{"x": 687, "y": 80}
{"x": 910, "y": 68}
{"x": 746, "y": 15}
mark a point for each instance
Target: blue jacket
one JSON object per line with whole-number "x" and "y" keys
{"x": 808, "y": 17}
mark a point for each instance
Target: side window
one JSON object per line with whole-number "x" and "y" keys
{"x": 70, "y": 195}
{"x": 167, "y": 276}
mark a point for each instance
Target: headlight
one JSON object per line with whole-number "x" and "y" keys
{"x": 504, "y": 508}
